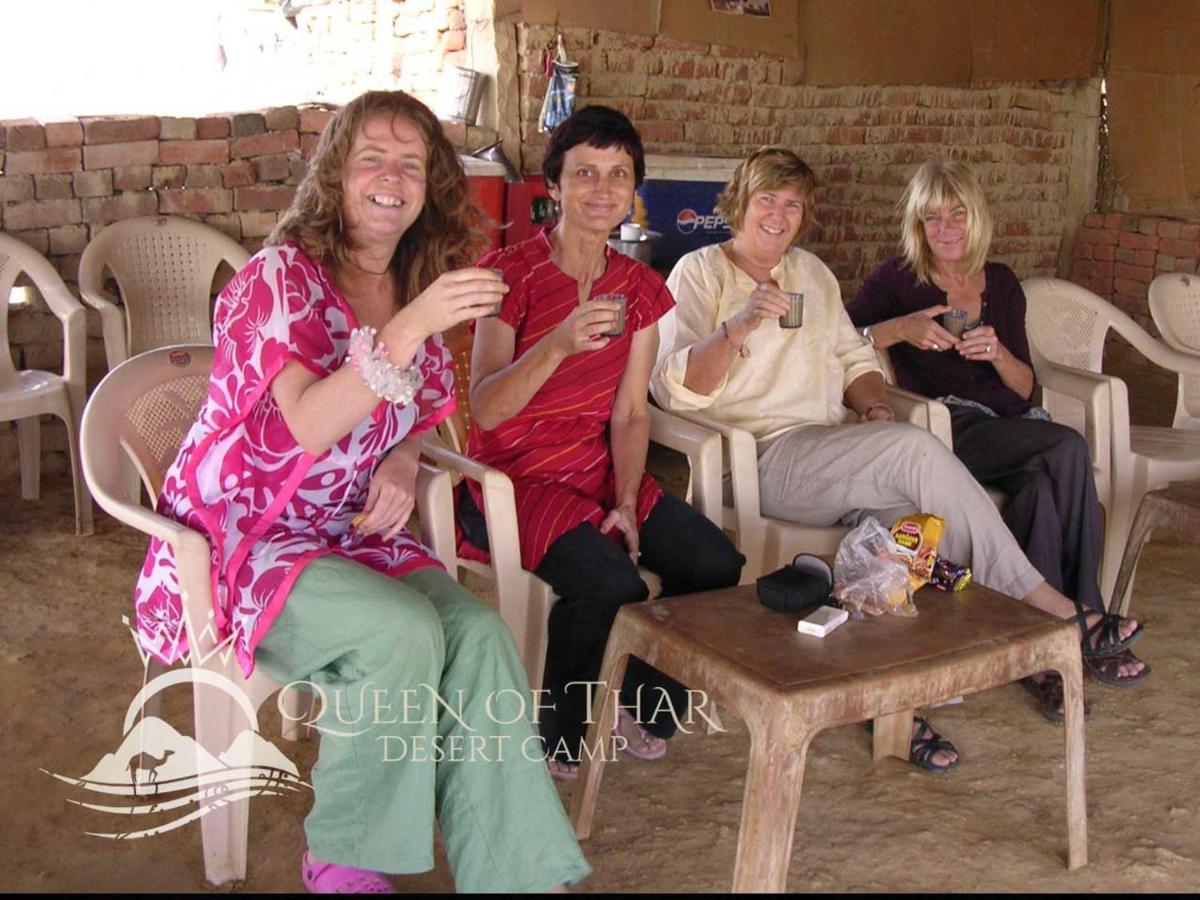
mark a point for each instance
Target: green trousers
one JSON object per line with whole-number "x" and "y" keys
{"x": 426, "y": 714}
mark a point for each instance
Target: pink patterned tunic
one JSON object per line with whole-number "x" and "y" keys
{"x": 266, "y": 506}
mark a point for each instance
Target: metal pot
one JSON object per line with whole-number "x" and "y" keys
{"x": 641, "y": 250}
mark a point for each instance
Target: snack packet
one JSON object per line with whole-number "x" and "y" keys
{"x": 950, "y": 576}
{"x": 918, "y": 537}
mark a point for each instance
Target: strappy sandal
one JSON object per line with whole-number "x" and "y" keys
{"x": 1108, "y": 669}
{"x": 1103, "y": 637}
{"x": 1049, "y": 694}
{"x": 926, "y": 744}
{"x": 330, "y": 878}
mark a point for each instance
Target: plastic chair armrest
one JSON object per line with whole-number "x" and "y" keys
{"x": 1095, "y": 391}
{"x": 435, "y": 507}
{"x": 702, "y": 446}
{"x": 112, "y": 323}
{"x": 923, "y": 412}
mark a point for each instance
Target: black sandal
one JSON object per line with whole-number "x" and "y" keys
{"x": 1049, "y": 694}
{"x": 1108, "y": 669}
{"x": 1103, "y": 637}
{"x": 925, "y": 744}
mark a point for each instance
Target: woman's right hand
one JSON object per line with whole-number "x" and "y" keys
{"x": 583, "y": 329}
{"x": 766, "y": 301}
{"x": 922, "y": 331}
{"x": 452, "y": 298}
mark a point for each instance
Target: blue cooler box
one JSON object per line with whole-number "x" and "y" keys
{"x": 679, "y": 194}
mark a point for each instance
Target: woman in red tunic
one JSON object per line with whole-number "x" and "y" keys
{"x": 560, "y": 406}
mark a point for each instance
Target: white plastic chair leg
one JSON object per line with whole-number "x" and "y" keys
{"x": 83, "y": 499}
{"x": 29, "y": 446}
{"x": 225, "y": 826}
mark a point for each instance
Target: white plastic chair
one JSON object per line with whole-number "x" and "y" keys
{"x": 141, "y": 411}
{"x": 1175, "y": 308}
{"x": 524, "y": 600}
{"x": 769, "y": 543}
{"x": 164, "y": 268}
{"x": 1067, "y": 325}
{"x": 29, "y": 393}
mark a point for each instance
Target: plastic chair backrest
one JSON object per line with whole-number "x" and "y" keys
{"x": 1175, "y": 308}
{"x": 143, "y": 408}
{"x": 1066, "y": 323}
{"x": 16, "y": 259}
{"x": 164, "y": 268}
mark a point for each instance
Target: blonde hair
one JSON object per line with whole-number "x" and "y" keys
{"x": 449, "y": 232}
{"x": 936, "y": 184}
{"x": 768, "y": 169}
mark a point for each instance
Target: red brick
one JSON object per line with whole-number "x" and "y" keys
{"x": 276, "y": 167}
{"x": 1136, "y": 241}
{"x": 1144, "y": 257}
{"x": 25, "y": 134}
{"x": 1185, "y": 265}
{"x": 68, "y": 239}
{"x": 212, "y": 127}
{"x": 264, "y": 144}
{"x": 1129, "y": 288}
{"x": 205, "y": 177}
{"x": 1164, "y": 264}
{"x": 1148, "y": 226}
{"x": 108, "y": 156}
{"x": 1093, "y": 220}
{"x": 283, "y": 118}
{"x": 257, "y": 224}
{"x": 456, "y": 133}
{"x": 120, "y": 129}
{"x": 1129, "y": 223}
{"x": 1081, "y": 251}
{"x": 14, "y": 188}
{"x": 168, "y": 177}
{"x": 264, "y": 197}
{"x": 314, "y": 120}
{"x": 195, "y": 201}
{"x": 666, "y": 43}
{"x": 131, "y": 178}
{"x": 122, "y": 206}
{"x": 1142, "y": 274}
{"x": 1190, "y": 233}
{"x": 53, "y": 187}
{"x": 308, "y": 143}
{"x": 193, "y": 152}
{"x": 40, "y": 214}
{"x": 1103, "y": 251}
{"x": 1126, "y": 255}
{"x": 1179, "y": 248}
{"x": 226, "y": 223}
{"x": 64, "y": 134}
{"x": 38, "y": 162}
{"x": 1169, "y": 229}
{"x": 1113, "y": 220}
{"x": 68, "y": 267}
{"x": 246, "y": 124}
{"x": 733, "y": 51}
{"x": 1103, "y": 236}
{"x": 173, "y": 129}
{"x": 37, "y": 239}
{"x": 653, "y": 132}
{"x": 239, "y": 173}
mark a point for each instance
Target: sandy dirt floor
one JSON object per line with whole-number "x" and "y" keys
{"x": 996, "y": 824}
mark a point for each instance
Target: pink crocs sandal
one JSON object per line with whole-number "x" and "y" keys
{"x": 330, "y": 878}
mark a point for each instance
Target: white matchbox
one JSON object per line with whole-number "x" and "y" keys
{"x": 822, "y": 621}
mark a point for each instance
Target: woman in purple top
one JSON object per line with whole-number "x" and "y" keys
{"x": 986, "y": 378}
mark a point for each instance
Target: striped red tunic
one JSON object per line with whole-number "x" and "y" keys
{"x": 556, "y": 449}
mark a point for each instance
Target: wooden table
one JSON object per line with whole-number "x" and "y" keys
{"x": 1175, "y": 506}
{"x": 789, "y": 687}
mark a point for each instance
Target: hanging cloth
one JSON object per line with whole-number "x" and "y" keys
{"x": 559, "y": 102}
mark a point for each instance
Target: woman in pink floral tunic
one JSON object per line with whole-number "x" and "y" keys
{"x": 300, "y": 469}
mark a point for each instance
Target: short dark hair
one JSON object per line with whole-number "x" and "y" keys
{"x": 597, "y": 126}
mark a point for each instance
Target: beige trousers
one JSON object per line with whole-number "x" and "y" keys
{"x": 826, "y": 474}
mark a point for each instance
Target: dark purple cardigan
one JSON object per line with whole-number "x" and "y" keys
{"x": 892, "y": 290}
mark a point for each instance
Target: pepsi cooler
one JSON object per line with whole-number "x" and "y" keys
{"x": 678, "y": 196}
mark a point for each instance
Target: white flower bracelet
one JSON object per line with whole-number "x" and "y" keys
{"x": 387, "y": 380}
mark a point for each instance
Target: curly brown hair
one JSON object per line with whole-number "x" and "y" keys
{"x": 768, "y": 169}
{"x": 448, "y": 234}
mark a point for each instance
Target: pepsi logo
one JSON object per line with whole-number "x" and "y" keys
{"x": 688, "y": 221}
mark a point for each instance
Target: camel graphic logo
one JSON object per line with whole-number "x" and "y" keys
{"x": 166, "y": 780}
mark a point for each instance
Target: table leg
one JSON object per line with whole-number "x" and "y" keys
{"x": 600, "y": 745}
{"x": 1071, "y": 670}
{"x": 1143, "y": 523}
{"x": 893, "y": 735}
{"x": 774, "y": 779}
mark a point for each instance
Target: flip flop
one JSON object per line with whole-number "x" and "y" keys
{"x": 330, "y": 878}
{"x": 660, "y": 748}
{"x": 1049, "y": 694}
{"x": 1107, "y": 669}
{"x": 565, "y": 771}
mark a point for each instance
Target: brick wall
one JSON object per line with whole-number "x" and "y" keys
{"x": 1117, "y": 255}
{"x": 863, "y": 142}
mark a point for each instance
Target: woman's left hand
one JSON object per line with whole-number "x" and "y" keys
{"x": 624, "y": 520}
{"x": 980, "y": 345}
{"x": 391, "y": 495}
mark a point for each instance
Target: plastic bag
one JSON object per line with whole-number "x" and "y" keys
{"x": 560, "y": 96}
{"x": 869, "y": 573}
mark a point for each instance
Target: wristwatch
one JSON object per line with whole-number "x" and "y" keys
{"x": 865, "y": 331}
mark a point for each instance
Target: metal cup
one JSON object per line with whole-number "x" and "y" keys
{"x": 955, "y": 321}
{"x": 795, "y": 314}
{"x": 499, "y": 273}
{"x": 618, "y": 329}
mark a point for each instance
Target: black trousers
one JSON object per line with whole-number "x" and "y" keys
{"x": 1052, "y": 507}
{"x": 594, "y": 578}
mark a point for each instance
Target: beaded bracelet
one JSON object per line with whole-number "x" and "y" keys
{"x": 387, "y": 380}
